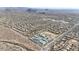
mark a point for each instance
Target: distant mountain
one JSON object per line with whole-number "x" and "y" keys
{"x": 38, "y": 10}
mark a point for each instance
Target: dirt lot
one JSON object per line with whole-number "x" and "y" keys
{"x": 11, "y": 40}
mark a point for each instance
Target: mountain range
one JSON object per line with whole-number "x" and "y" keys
{"x": 38, "y": 10}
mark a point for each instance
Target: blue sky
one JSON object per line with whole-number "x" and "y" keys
{"x": 74, "y": 4}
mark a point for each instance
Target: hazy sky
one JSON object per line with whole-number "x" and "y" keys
{"x": 40, "y": 3}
